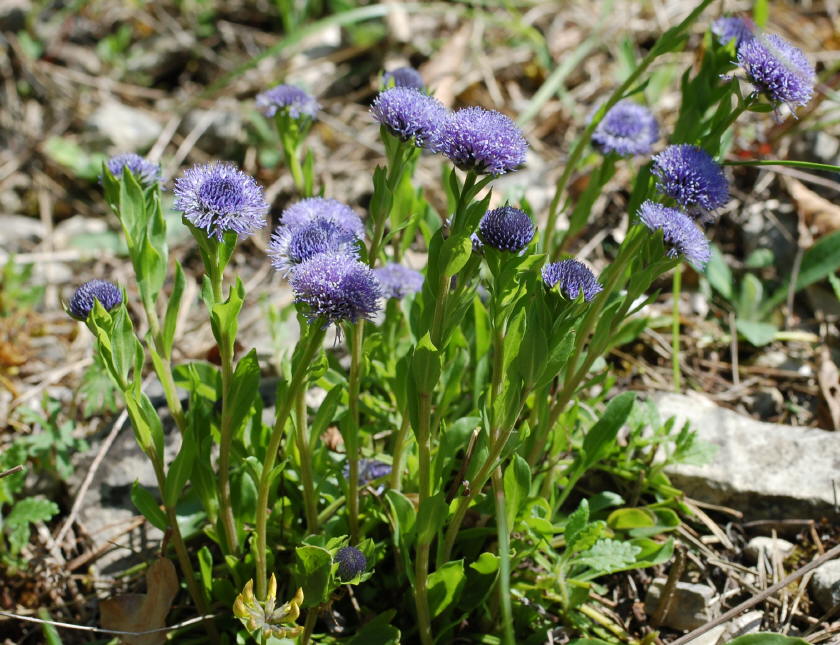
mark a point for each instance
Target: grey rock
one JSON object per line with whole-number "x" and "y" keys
{"x": 748, "y": 623}
{"x": 224, "y": 129}
{"x": 768, "y": 546}
{"x": 15, "y": 229}
{"x": 13, "y": 14}
{"x": 765, "y": 470}
{"x": 693, "y": 605}
{"x": 711, "y": 637}
{"x": 128, "y": 128}
{"x": 825, "y": 584}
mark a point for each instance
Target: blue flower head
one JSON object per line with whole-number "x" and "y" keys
{"x": 291, "y": 246}
{"x": 304, "y": 211}
{"x": 572, "y": 279}
{"x": 679, "y": 232}
{"x": 627, "y": 129}
{"x": 146, "y": 172}
{"x": 690, "y": 175}
{"x": 728, "y": 28}
{"x": 337, "y": 287}
{"x": 107, "y": 293}
{"x": 777, "y": 69}
{"x": 484, "y": 141}
{"x": 299, "y": 103}
{"x": 410, "y": 115}
{"x": 403, "y": 77}
{"x": 506, "y": 228}
{"x": 369, "y": 470}
{"x": 351, "y": 562}
{"x": 218, "y": 197}
{"x": 397, "y": 281}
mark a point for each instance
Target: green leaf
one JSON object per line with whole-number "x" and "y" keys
{"x": 749, "y": 300}
{"x": 444, "y": 586}
{"x": 180, "y": 469}
{"x": 601, "y": 436}
{"x": 312, "y": 573}
{"x": 455, "y": 252}
{"x": 587, "y": 536}
{"x": 425, "y": 364}
{"x": 757, "y": 333}
{"x": 224, "y": 315}
{"x": 608, "y": 555}
{"x": 517, "y": 485}
{"x": 766, "y": 638}
{"x": 575, "y": 525}
{"x": 24, "y": 513}
{"x": 431, "y": 516}
{"x": 148, "y": 506}
{"x": 718, "y": 273}
{"x": 379, "y": 631}
{"x": 205, "y": 569}
{"x": 244, "y": 388}
{"x": 481, "y": 576}
{"x": 170, "y": 320}
{"x": 761, "y": 11}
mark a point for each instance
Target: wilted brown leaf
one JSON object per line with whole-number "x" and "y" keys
{"x": 821, "y": 216}
{"x": 143, "y": 612}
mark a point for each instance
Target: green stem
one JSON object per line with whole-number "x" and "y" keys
{"x": 810, "y": 165}
{"x": 583, "y": 141}
{"x": 309, "y": 625}
{"x": 421, "y": 597}
{"x": 352, "y": 435}
{"x": 299, "y": 370}
{"x": 291, "y": 154}
{"x": 504, "y": 558}
{"x": 398, "y": 453}
{"x": 675, "y": 328}
{"x": 310, "y": 496}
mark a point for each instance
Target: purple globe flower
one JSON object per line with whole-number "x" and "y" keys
{"x": 351, "y": 562}
{"x": 573, "y": 278}
{"x": 777, "y": 69}
{"x": 287, "y": 97}
{"x": 369, "y": 470}
{"x": 627, "y": 129}
{"x": 336, "y": 287}
{"x": 291, "y": 246}
{"x": 410, "y": 115}
{"x": 146, "y": 172}
{"x": 680, "y": 233}
{"x": 728, "y": 28}
{"x": 484, "y": 141}
{"x": 397, "y": 281}
{"x": 690, "y": 175}
{"x": 506, "y": 228}
{"x": 107, "y": 293}
{"x": 306, "y": 210}
{"x": 403, "y": 77}
{"x": 218, "y": 197}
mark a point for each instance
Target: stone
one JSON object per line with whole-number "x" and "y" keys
{"x": 693, "y": 605}
{"x": 763, "y": 469}
{"x": 748, "y": 623}
{"x": 711, "y": 637}
{"x": 15, "y": 229}
{"x": 224, "y": 129}
{"x": 127, "y": 128}
{"x": 825, "y": 584}
{"x": 13, "y": 14}
{"x": 769, "y": 547}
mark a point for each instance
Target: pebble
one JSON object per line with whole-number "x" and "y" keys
{"x": 768, "y": 546}
{"x": 693, "y": 605}
{"x": 129, "y": 129}
{"x": 825, "y": 584}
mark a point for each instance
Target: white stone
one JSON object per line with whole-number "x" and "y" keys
{"x": 825, "y": 584}
{"x": 711, "y": 637}
{"x": 748, "y": 623}
{"x": 129, "y": 129}
{"x": 768, "y": 546}
{"x": 765, "y": 470}
{"x": 692, "y": 605}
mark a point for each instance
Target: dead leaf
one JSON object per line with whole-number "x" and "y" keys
{"x": 828, "y": 377}
{"x": 136, "y": 612}
{"x": 821, "y": 216}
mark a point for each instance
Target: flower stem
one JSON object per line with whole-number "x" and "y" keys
{"x": 675, "y": 328}
{"x": 352, "y": 435}
{"x": 307, "y": 346}
{"x": 504, "y": 558}
{"x": 310, "y": 496}
{"x": 421, "y": 597}
{"x": 398, "y": 453}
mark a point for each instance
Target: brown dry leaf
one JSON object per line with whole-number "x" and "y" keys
{"x": 136, "y": 612}
{"x": 828, "y": 377}
{"x": 332, "y": 439}
{"x": 821, "y": 216}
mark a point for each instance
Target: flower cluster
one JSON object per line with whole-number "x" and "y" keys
{"x": 410, "y": 115}
{"x": 289, "y": 246}
{"x": 397, "y": 281}
{"x": 351, "y": 562}
{"x": 482, "y": 141}
{"x": 82, "y": 302}
{"x": 146, "y": 172}
{"x": 679, "y": 232}
{"x": 299, "y": 103}
{"x": 572, "y": 278}
{"x": 689, "y": 175}
{"x": 626, "y": 129}
{"x": 506, "y": 229}
{"x": 218, "y": 197}
{"x": 729, "y": 28}
{"x": 369, "y": 470}
{"x": 403, "y": 77}
{"x": 303, "y": 212}
{"x": 777, "y": 69}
